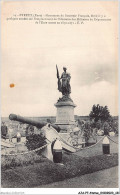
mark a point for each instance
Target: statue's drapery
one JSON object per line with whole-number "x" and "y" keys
{"x": 66, "y": 89}
{"x": 64, "y": 82}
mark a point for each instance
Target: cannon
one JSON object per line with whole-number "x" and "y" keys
{"x": 38, "y": 124}
{"x": 51, "y": 132}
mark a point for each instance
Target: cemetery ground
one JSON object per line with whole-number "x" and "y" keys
{"x": 33, "y": 170}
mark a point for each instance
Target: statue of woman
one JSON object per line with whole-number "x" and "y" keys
{"x": 65, "y": 87}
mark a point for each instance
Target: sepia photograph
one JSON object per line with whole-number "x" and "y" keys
{"x": 59, "y": 96}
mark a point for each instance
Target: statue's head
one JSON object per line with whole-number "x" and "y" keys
{"x": 64, "y": 68}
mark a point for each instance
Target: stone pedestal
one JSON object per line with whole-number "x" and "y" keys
{"x": 65, "y": 114}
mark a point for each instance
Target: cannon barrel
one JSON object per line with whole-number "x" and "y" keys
{"x": 38, "y": 124}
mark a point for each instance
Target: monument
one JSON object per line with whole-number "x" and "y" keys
{"x": 65, "y": 105}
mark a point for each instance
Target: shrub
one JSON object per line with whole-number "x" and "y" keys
{"x": 34, "y": 141}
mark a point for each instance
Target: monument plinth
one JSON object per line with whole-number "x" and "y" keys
{"x": 65, "y": 114}
{"x": 65, "y": 105}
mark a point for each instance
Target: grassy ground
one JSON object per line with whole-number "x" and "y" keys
{"x": 41, "y": 171}
{"x": 8, "y": 162}
{"x": 98, "y": 179}
{"x": 97, "y": 149}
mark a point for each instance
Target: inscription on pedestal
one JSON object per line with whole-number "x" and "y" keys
{"x": 65, "y": 114}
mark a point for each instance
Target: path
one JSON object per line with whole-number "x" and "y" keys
{"x": 107, "y": 178}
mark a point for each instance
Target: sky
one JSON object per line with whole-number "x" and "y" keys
{"x": 30, "y": 53}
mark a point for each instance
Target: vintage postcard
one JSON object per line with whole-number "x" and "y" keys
{"x": 59, "y": 97}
